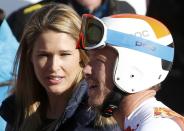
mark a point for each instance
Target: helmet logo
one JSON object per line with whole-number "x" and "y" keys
{"x": 142, "y": 34}
{"x": 148, "y": 46}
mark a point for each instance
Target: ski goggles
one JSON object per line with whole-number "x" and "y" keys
{"x": 94, "y": 34}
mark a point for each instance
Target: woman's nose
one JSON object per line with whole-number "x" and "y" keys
{"x": 55, "y": 64}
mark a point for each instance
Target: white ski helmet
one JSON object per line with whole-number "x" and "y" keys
{"x": 144, "y": 46}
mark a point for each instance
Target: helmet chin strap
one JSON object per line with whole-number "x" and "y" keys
{"x": 112, "y": 102}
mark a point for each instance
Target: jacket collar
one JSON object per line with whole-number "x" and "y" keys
{"x": 78, "y": 95}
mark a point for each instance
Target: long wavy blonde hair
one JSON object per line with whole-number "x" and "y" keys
{"x": 28, "y": 91}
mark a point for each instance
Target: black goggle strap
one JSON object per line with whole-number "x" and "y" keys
{"x": 120, "y": 39}
{"x": 111, "y": 102}
{"x": 80, "y": 42}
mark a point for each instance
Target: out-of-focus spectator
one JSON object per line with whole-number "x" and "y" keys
{"x": 2, "y": 122}
{"x": 140, "y": 6}
{"x": 2, "y": 15}
{"x": 171, "y": 14}
{"x": 8, "y": 47}
{"x": 99, "y": 8}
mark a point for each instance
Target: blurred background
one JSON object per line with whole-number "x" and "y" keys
{"x": 170, "y": 12}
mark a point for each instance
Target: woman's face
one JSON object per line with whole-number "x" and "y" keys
{"x": 56, "y": 61}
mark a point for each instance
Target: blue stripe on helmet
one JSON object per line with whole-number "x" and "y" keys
{"x": 116, "y": 38}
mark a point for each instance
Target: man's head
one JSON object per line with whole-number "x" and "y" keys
{"x": 99, "y": 72}
{"x": 138, "y": 52}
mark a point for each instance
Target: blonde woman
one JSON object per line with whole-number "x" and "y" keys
{"x": 50, "y": 93}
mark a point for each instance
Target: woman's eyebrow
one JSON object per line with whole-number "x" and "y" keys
{"x": 46, "y": 51}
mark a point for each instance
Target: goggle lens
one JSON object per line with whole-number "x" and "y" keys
{"x": 92, "y": 32}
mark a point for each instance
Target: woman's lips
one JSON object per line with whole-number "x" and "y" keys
{"x": 54, "y": 80}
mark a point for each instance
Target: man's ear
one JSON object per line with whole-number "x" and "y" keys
{"x": 82, "y": 63}
{"x": 2, "y": 16}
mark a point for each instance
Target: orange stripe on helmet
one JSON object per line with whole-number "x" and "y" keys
{"x": 159, "y": 28}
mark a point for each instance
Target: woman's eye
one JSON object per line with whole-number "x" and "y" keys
{"x": 65, "y": 54}
{"x": 42, "y": 55}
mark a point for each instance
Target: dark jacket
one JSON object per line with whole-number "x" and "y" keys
{"x": 76, "y": 117}
{"x": 18, "y": 18}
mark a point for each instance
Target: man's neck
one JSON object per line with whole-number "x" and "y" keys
{"x": 129, "y": 103}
